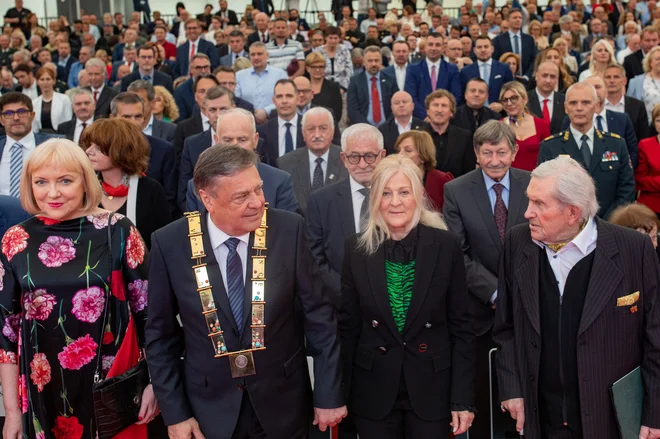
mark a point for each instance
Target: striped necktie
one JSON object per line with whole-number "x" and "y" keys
{"x": 15, "y": 166}
{"x": 235, "y": 285}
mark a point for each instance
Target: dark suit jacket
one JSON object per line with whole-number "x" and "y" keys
{"x": 637, "y": 112}
{"x": 63, "y": 73}
{"x": 231, "y": 15}
{"x": 418, "y": 84}
{"x": 457, "y": 156}
{"x": 39, "y": 138}
{"x": 162, "y": 168}
{"x": 68, "y": 128}
{"x": 376, "y": 356}
{"x": 390, "y": 132}
{"x": 254, "y": 37}
{"x": 183, "y": 53}
{"x": 185, "y": 129}
{"x": 500, "y": 74}
{"x": 297, "y": 164}
{"x": 185, "y": 100}
{"x": 202, "y": 386}
{"x": 621, "y": 125}
{"x": 330, "y": 98}
{"x": 611, "y": 340}
{"x": 465, "y": 118}
{"x": 193, "y": 146}
{"x": 633, "y": 64}
{"x": 358, "y": 96}
{"x": 11, "y": 213}
{"x": 615, "y": 182}
{"x": 558, "y": 111}
{"x": 269, "y": 150}
{"x": 228, "y": 59}
{"x": 158, "y": 79}
{"x": 502, "y": 44}
{"x": 118, "y": 52}
{"x": 115, "y": 69}
{"x": 468, "y": 213}
{"x": 268, "y": 6}
{"x": 163, "y": 130}
{"x": 103, "y": 101}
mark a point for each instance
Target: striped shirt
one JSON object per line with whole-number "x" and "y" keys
{"x": 281, "y": 56}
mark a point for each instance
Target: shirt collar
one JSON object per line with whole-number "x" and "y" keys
{"x": 582, "y": 241}
{"x": 196, "y": 42}
{"x": 578, "y": 135}
{"x": 405, "y": 127}
{"x": 602, "y": 113}
{"x": 99, "y": 90}
{"x": 506, "y": 181}
{"x": 488, "y": 63}
{"x": 27, "y": 141}
{"x": 218, "y": 237}
{"x": 355, "y": 186}
{"x": 205, "y": 120}
{"x": 513, "y": 34}
{"x": 622, "y": 101}
{"x": 150, "y": 123}
{"x": 437, "y": 63}
{"x": 369, "y": 76}
{"x": 313, "y": 157}
{"x": 543, "y": 98}
{"x": 293, "y": 121}
{"x": 87, "y": 122}
{"x": 396, "y": 67}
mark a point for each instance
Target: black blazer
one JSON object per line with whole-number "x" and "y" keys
{"x": 162, "y": 168}
{"x": 502, "y": 45}
{"x": 330, "y": 98}
{"x": 269, "y": 150}
{"x": 637, "y": 112}
{"x": 465, "y": 118}
{"x": 231, "y": 15}
{"x": 358, "y": 96}
{"x": 611, "y": 340}
{"x": 158, "y": 79}
{"x": 184, "y": 129}
{"x": 254, "y": 37}
{"x": 558, "y": 110}
{"x": 268, "y": 6}
{"x": 68, "y": 129}
{"x": 163, "y": 130}
{"x": 200, "y": 385}
{"x": 436, "y": 351}
{"x": 633, "y": 64}
{"x": 390, "y": 132}
{"x": 457, "y": 156}
{"x": 103, "y": 101}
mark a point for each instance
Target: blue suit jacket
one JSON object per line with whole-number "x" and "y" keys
{"x": 500, "y": 74}
{"x": 183, "y": 53}
{"x": 278, "y": 190}
{"x": 269, "y": 149}
{"x": 162, "y": 168}
{"x": 502, "y": 45}
{"x": 618, "y": 123}
{"x": 636, "y": 87}
{"x": 418, "y": 84}
{"x": 228, "y": 59}
{"x": 118, "y": 52}
{"x": 11, "y": 213}
{"x": 39, "y": 138}
{"x": 185, "y": 99}
{"x": 359, "y": 96}
{"x": 159, "y": 79}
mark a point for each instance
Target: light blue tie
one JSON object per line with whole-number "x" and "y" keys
{"x": 486, "y": 73}
{"x": 15, "y": 168}
{"x": 516, "y": 45}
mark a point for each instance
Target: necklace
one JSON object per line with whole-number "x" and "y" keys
{"x": 119, "y": 191}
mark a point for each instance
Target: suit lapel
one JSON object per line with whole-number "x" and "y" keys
{"x": 570, "y": 147}
{"x": 516, "y": 196}
{"x": 345, "y": 201}
{"x": 527, "y": 276}
{"x": 423, "y": 274}
{"x": 377, "y": 280}
{"x": 483, "y": 204}
{"x": 303, "y": 178}
{"x": 273, "y": 141}
{"x": 534, "y": 104}
{"x": 155, "y": 128}
{"x": 334, "y": 166}
{"x": 599, "y": 149}
{"x": 558, "y": 111}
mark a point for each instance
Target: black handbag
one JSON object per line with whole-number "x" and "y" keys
{"x": 117, "y": 400}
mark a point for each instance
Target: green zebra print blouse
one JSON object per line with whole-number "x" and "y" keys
{"x": 400, "y": 278}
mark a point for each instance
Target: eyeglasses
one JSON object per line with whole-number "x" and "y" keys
{"x": 369, "y": 158}
{"x": 22, "y": 113}
{"x": 513, "y": 99}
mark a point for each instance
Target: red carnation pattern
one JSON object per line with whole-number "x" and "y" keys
{"x": 108, "y": 337}
{"x": 137, "y": 294}
{"x": 38, "y": 304}
{"x": 11, "y": 326}
{"x": 2, "y": 276}
{"x": 23, "y": 394}
{"x": 48, "y": 221}
{"x": 134, "y": 248}
{"x": 88, "y": 304}
{"x": 14, "y": 241}
{"x": 56, "y": 251}
{"x": 78, "y": 353}
{"x": 67, "y": 428}
{"x": 100, "y": 220}
{"x": 7, "y": 357}
{"x": 40, "y": 371}
{"x": 117, "y": 285}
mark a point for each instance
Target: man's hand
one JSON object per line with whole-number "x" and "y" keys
{"x": 461, "y": 421}
{"x": 495, "y": 106}
{"x": 325, "y": 418}
{"x": 649, "y": 433}
{"x": 516, "y": 407}
{"x": 188, "y": 429}
{"x": 261, "y": 116}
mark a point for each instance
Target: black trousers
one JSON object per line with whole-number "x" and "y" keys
{"x": 402, "y": 424}
{"x": 548, "y": 432}
{"x": 248, "y": 425}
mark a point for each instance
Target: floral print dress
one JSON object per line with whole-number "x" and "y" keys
{"x": 53, "y": 281}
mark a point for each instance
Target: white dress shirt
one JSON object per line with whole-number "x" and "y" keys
{"x": 98, "y": 92}
{"x": 358, "y": 199}
{"x": 437, "y": 68}
{"x": 403, "y": 128}
{"x": 619, "y": 107}
{"x": 603, "y": 121}
{"x": 206, "y": 123}
{"x": 32, "y": 91}
{"x": 400, "y": 73}
{"x": 281, "y": 133}
{"x": 150, "y": 126}
{"x": 218, "y": 238}
{"x": 79, "y": 129}
{"x": 550, "y": 99}
{"x": 312, "y": 165}
{"x": 578, "y": 137}
{"x": 29, "y": 144}
{"x": 565, "y": 259}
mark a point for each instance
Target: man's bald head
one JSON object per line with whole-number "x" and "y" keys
{"x": 599, "y": 85}
{"x": 402, "y": 105}
{"x": 305, "y": 94}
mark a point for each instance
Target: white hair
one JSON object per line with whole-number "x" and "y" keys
{"x": 236, "y": 112}
{"x": 360, "y": 133}
{"x": 319, "y": 111}
{"x": 573, "y": 184}
{"x": 95, "y": 62}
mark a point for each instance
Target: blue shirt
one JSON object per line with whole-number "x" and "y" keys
{"x": 258, "y": 88}
{"x": 62, "y": 62}
{"x": 370, "y": 115}
{"x": 492, "y": 196}
{"x": 144, "y": 75}
{"x": 72, "y": 80}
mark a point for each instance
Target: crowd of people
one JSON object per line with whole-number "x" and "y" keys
{"x": 436, "y": 194}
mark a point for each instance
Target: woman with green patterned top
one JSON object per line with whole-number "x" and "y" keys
{"x": 405, "y": 325}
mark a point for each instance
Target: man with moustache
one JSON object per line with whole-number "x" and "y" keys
{"x": 83, "y": 111}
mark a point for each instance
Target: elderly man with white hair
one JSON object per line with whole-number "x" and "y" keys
{"x": 577, "y": 309}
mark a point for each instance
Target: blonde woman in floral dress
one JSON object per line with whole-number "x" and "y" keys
{"x": 54, "y": 274}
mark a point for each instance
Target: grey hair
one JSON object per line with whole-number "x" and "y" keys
{"x": 360, "y": 133}
{"x": 357, "y": 52}
{"x": 95, "y": 62}
{"x": 217, "y": 92}
{"x": 221, "y": 161}
{"x": 573, "y": 185}
{"x": 236, "y": 112}
{"x": 583, "y": 85}
{"x": 372, "y": 49}
{"x": 124, "y": 98}
{"x": 78, "y": 91}
{"x": 493, "y": 132}
{"x": 565, "y": 19}
{"x": 259, "y": 44}
{"x": 141, "y": 84}
{"x": 24, "y": 53}
{"x": 318, "y": 111}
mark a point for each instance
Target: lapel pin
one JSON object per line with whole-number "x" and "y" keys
{"x": 633, "y": 309}
{"x": 331, "y": 176}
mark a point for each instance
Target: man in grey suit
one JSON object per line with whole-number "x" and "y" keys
{"x": 152, "y": 126}
{"x": 480, "y": 207}
{"x": 320, "y": 163}
{"x": 236, "y": 49}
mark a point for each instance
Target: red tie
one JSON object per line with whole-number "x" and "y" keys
{"x": 546, "y": 112}
{"x": 375, "y": 100}
{"x": 96, "y": 95}
{"x": 192, "y": 50}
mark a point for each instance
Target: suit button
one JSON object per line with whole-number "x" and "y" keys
{"x": 428, "y": 325}
{"x": 404, "y": 343}
{"x": 374, "y": 323}
{"x": 534, "y": 343}
{"x": 382, "y": 349}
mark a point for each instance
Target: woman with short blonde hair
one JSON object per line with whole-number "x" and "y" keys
{"x": 164, "y": 106}
{"x": 602, "y": 56}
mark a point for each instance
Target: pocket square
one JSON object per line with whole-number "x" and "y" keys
{"x": 628, "y": 300}
{"x": 498, "y": 76}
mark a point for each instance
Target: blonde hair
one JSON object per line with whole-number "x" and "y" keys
{"x": 518, "y": 89}
{"x": 647, "y": 59}
{"x": 377, "y": 230}
{"x": 610, "y": 50}
{"x": 170, "y": 109}
{"x": 66, "y": 154}
{"x": 241, "y": 63}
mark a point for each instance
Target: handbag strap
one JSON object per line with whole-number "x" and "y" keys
{"x": 97, "y": 373}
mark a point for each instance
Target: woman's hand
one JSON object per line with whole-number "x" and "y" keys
{"x": 149, "y": 408}
{"x": 461, "y": 421}
{"x": 13, "y": 428}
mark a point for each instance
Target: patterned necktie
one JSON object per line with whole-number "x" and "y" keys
{"x": 375, "y": 101}
{"x": 235, "y": 286}
{"x": 599, "y": 122}
{"x": 288, "y": 139}
{"x": 434, "y": 77}
{"x": 586, "y": 152}
{"x": 546, "y": 111}
{"x": 500, "y": 211}
{"x": 15, "y": 168}
{"x": 147, "y": 78}
{"x": 364, "y": 210}
{"x": 317, "y": 181}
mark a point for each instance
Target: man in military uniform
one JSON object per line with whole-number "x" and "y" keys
{"x": 604, "y": 155}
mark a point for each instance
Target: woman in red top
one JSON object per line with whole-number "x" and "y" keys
{"x": 647, "y": 174}
{"x": 418, "y": 147}
{"x": 530, "y": 130}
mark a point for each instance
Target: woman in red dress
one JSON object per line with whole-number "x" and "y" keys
{"x": 418, "y": 147}
{"x": 530, "y": 130}
{"x": 647, "y": 174}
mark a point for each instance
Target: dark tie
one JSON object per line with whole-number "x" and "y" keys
{"x": 147, "y": 78}
{"x": 288, "y": 139}
{"x": 599, "y": 122}
{"x": 364, "y": 210}
{"x": 584, "y": 148}
{"x": 375, "y": 101}
{"x": 235, "y": 286}
{"x": 500, "y": 211}
{"x": 317, "y": 181}
{"x": 84, "y": 125}
{"x": 546, "y": 111}
{"x": 516, "y": 45}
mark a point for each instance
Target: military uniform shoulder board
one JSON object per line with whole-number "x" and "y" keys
{"x": 615, "y": 135}
{"x": 552, "y": 136}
